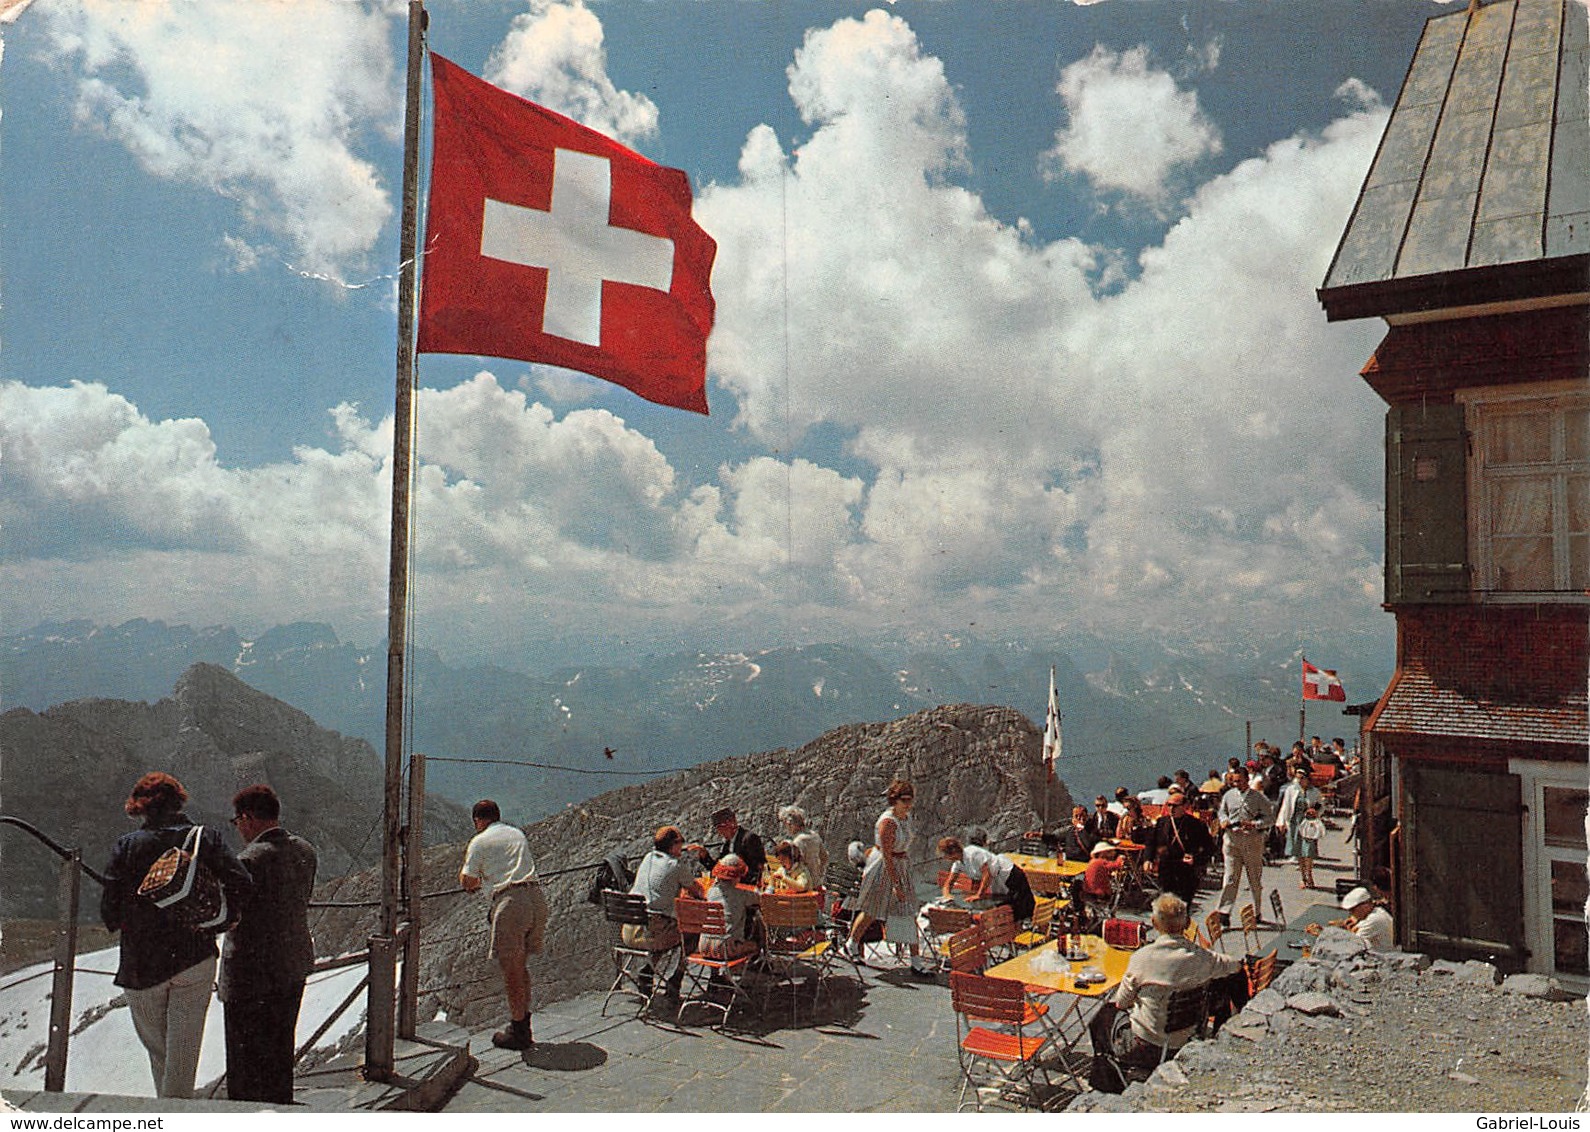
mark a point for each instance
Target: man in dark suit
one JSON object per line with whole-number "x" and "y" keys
{"x": 269, "y": 954}
{"x": 739, "y": 841}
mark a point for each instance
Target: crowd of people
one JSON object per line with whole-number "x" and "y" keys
{"x": 1171, "y": 832}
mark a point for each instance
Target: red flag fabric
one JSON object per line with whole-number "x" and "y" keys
{"x": 1322, "y": 684}
{"x": 548, "y": 242}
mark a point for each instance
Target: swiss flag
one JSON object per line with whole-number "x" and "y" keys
{"x": 548, "y": 242}
{"x": 1322, "y": 684}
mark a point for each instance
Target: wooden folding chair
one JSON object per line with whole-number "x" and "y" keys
{"x": 1277, "y": 907}
{"x": 965, "y": 951}
{"x": 1250, "y": 929}
{"x": 1216, "y": 929}
{"x": 707, "y": 918}
{"x": 943, "y": 921}
{"x": 1006, "y": 1059}
{"x": 1033, "y": 845}
{"x": 629, "y": 962}
{"x": 1259, "y": 971}
{"x": 1042, "y": 923}
{"x": 794, "y": 944}
{"x": 998, "y": 926}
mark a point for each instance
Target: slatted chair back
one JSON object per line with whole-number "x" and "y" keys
{"x": 1260, "y": 972}
{"x": 998, "y": 926}
{"x": 945, "y": 921}
{"x": 789, "y": 912}
{"x": 1323, "y": 775}
{"x": 966, "y": 952}
{"x": 1278, "y": 908}
{"x": 1033, "y": 845}
{"x": 1216, "y": 929}
{"x": 1041, "y": 924}
{"x": 1045, "y": 883}
{"x": 624, "y": 907}
{"x": 1187, "y": 1009}
{"x": 988, "y": 999}
{"x": 1250, "y": 928}
{"x": 700, "y": 917}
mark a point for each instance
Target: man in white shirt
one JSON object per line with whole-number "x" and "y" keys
{"x": 499, "y": 858}
{"x": 1245, "y": 818}
{"x": 1370, "y": 921}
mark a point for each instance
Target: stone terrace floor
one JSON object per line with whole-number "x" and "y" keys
{"x": 883, "y": 1043}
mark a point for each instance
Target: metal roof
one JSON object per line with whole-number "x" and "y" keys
{"x": 1484, "y": 168}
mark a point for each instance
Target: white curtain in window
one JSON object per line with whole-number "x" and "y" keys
{"x": 1521, "y": 542}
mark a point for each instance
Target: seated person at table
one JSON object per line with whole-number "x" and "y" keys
{"x": 790, "y": 873}
{"x": 1169, "y": 964}
{"x": 737, "y": 840}
{"x": 993, "y": 877}
{"x": 1103, "y": 862}
{"x": 1371, "y": 922}
{"x": 661, "y": 877}
{"x": 814, "y": 854}
{"x": 1102, "y": 821}
{"x": 738, "y": 902}
{"x": 1080, "y": 837}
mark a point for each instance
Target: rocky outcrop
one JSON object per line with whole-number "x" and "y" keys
{"x": 68, "y": 770}
{"x": 970, "y": 764}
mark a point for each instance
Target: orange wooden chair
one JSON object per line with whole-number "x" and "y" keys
{"x": 1216, "y": 930}
{"x": 794, "y": 944}
{"x": 1006, "y": 1059}
{"x": 943, "y": 921}
{"x": 1260, "y": 971}
{"x": 998, "y": 925}
{"x": 706, "y": 918}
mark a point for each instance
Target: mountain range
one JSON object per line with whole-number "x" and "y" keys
{"x": 1131, "y": 712}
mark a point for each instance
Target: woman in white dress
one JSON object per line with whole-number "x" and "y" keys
{"x": 886, "y": 888}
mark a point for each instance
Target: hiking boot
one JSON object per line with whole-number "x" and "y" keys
{"x": 516, "y": 1036}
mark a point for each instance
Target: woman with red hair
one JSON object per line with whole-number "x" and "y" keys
{"x": 167, "y": 968}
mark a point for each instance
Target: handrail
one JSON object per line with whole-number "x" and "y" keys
{"x": 49, "y": 842}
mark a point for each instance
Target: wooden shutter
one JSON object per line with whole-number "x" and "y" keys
{"x": 1426, "y": 504}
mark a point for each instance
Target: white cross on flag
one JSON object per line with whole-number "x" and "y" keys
{"x": 1322, "y": 684}
{"x": 549, "y": 242}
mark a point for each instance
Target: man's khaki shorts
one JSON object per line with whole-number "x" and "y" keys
{"x": 518, "y": 922}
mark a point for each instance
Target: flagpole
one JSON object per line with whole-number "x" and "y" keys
{"x": 379, "y": 1036}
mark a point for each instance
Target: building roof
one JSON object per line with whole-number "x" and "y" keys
{"x": 1416, "y": 704}
{"x": 1480, "y": 191}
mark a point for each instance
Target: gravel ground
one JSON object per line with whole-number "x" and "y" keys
{"x": 1351, "y": 1031}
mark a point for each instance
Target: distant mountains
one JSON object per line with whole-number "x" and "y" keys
{"x": 1131, "y": 713}
{"x": 67, "y": 770}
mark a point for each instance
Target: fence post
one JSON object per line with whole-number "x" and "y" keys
{"x": 414, "y": 874}
{"x": 65, "y": 961}
{"x": 379, "y": 1040}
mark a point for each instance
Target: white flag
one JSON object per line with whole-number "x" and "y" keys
{"x": 1051, "y": 730}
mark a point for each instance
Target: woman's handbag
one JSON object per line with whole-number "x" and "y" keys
{"x": 185, "y": 888}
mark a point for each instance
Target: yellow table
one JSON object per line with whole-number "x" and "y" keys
{"x": 1071, "y": 1025}
{"x": 1046, "y": 875}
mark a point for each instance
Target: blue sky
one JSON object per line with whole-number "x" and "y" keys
{"x": 1016, "y": 326}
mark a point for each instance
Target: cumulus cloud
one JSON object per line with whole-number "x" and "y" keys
{"x": 553, "y": 55}
{"x": 1023, "y": 446}
{"x": 260, "y": 102}
{"x": 1129, "y": 124}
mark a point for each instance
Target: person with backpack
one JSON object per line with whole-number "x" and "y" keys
{"x": 167, "y": 963}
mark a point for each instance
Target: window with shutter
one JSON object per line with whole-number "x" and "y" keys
{"x": 1426, "y": 504}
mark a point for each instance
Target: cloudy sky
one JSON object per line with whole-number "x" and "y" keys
{"x": 1016, "y": 326}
